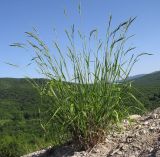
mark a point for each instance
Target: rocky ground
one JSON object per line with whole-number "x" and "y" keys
{"x": 140, "y": 139}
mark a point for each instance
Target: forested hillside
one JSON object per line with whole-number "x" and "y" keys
{"x": 20, "y": 129}
{"x": 148, "y": 87}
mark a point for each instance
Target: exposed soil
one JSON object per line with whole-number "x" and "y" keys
{"x": 140, "y": 139}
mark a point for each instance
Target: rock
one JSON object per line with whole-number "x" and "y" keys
{"x": 146, "y": 123}
{"x": 125, "y": 147}
{"x": 134, "y": 117}
{"x": 157, "y": 154}
{"x": 154, "y": 116}
{"x": 142, "y": 132}
{"x": 119, "y": 153}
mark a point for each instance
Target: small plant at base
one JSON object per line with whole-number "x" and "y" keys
{"x": 87, "y": 92}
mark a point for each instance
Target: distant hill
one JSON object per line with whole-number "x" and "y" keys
{"x": 18, "y": 84}
{"x": 7, "y": 83}
{"x": 148, "y": 89}
{"x": 136, "y": 76}
{"x": 18, "y": 95}
{"x": 148, "y": 80}
{"x": 17, "y": 98}
{"x": 19, "y": 116}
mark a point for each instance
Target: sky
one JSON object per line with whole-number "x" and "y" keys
{"x": 19, "y": 16}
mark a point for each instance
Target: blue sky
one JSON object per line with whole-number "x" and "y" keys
{"x": 19, "y": 16}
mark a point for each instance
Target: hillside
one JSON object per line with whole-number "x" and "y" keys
{"x": 148, "y": 89}
{"x": 19, "y": 124}
{"x": 136, "y": 76}
{"x": 20, "y": 102}
{"x": 17, "y": 98}
{"x": 149, "y": 80}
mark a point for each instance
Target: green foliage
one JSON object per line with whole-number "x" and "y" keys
{"x": 82, "y": 95}
{"x": 11, "y": 147}
{"x": 19, "y": 120}
{"x": 148, "y": 90}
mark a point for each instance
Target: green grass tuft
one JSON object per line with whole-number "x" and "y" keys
{"x": 87, "y": 88}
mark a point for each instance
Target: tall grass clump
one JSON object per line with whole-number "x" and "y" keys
{"x": 87, "y": 91}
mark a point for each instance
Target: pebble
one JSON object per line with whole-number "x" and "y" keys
{"x": 134, "y": 117}
{"x": 154, "y": 116}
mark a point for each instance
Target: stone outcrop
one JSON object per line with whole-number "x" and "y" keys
{"x": 140, "y": 138}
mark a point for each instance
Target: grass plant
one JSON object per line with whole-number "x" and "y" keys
{"x": 87, "y": 88}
